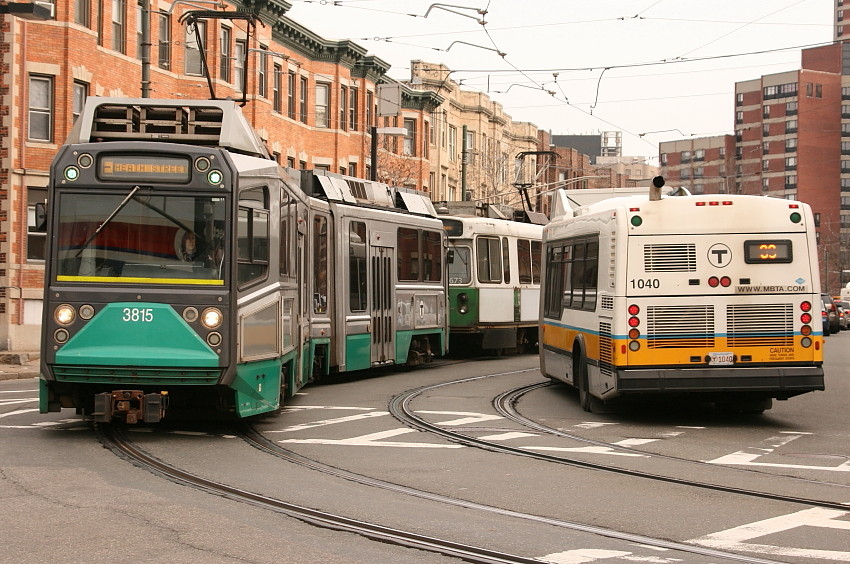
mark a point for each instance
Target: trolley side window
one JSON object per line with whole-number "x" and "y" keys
{"x": 432, "y": 255}
{"x": 253, "y": 235}
{"x": 536, "y": 253}
{"x": 408, "y": 254}
{"x": 320, "y": 264}
{"x": 489, "y": 254}
{"x": 357, "y": 266}
{"x": 529, "y": 264}
{"x": 506, "y": 259}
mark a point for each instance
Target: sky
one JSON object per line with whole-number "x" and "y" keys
{"x": 656, "y": 70}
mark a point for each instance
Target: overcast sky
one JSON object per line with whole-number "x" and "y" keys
{"x": 586, "y": 66}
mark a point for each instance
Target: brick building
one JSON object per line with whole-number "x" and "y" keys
{"x": 791, "y": 140}
{"x": 704, "y": 165}
{"x": 313, "y": 101}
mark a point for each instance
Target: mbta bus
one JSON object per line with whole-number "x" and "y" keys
{"x": 494, "y": 282}
{"x": 711, "y": 294}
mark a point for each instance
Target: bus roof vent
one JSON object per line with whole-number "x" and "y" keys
{"x": 218, "y": 123}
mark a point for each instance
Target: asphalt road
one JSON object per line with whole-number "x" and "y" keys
{"x": 65, "y": 498}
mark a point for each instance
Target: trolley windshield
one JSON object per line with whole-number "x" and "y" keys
{"x": 142, "y": 238}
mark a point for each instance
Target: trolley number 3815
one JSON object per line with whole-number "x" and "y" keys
{"x": 137, "y": 315}
{"x": 645, "y": 283}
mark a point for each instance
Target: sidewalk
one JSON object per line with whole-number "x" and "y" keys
{"x": 17, "y": 365}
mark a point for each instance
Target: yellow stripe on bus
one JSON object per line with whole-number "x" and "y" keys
{"x": 139, "y": 280}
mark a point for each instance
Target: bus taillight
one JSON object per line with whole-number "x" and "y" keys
{"x": 634, "y": 332}
{"x": 806, "y": 306}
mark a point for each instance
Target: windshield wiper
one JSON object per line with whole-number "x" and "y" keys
{"x": 107, "y": 220}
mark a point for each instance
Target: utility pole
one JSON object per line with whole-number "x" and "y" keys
{"x": 146, "y": 48}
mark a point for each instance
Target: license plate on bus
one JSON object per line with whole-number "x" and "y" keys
{"x": 720, "y": 359}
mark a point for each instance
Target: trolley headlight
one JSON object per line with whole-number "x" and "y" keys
{"x": 61, "y": 336}
{"x": 71, "y": 173}
{"x": 190, "y": 314}
{"x": 85, "y": 160}
{"x": 215, "y": 177}
{"x": 211, "y": 318}
{"x": 64, "y": 314}
{"x": 86, "y": 312}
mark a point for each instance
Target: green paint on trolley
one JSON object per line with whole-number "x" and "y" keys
{"x": 458, "y": 319}
{"x": 358, "y": 352}
{"x": 139, "y": 335}
{"x": 257, "y": 387}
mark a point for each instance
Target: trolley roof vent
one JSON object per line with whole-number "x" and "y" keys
{"x": 218, "y": 123}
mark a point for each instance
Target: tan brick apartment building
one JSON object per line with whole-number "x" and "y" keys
{"x": 313, "y": 101}
{"x": 791, "y": 140}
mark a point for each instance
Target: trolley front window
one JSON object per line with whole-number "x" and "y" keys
{"x": 460, "y": 271}
{"x": 141, "y": 237}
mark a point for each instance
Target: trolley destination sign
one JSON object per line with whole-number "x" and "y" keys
{"x": 159, "y": 168}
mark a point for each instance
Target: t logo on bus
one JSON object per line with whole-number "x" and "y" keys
{"x": 719, "y": 255}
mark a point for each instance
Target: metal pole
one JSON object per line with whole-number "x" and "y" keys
{"x": 463, "y": 160}
{"x": 146, "y": 48}
{"x": 374, "y": 175}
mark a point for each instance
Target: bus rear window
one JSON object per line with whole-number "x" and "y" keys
{"x": 768, "y": 251}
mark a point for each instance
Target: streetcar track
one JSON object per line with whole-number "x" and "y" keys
{"x": 400, "y": 408}
{"x": 112, "y": 438}
{"x": 258, "y": 440}
{"x": 505, "y": 405}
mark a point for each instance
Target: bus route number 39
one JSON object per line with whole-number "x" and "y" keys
{"x": 137, "y": 315}
{"x": 645, "y": 283}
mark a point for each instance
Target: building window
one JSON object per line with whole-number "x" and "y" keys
{"x": 322, "y": 95}
{"x": 739, "y": 99}
{"x": 164, "y": 45}
{"x": 739, "y": 117}
{"x": 277, "y": 84}
{"x": 370, "y": 100}
{"x": 765, "y": 165}
{"x": 262, "y": 72}
{"x": 765, "y": 147}
{"x": 791, "y": 126}
{"x": 845, "y": 165}
{"x": 790, "y": 163}
{"x": 193, "y": 63}
{"x": 765, "y": 113}
{"x": 352, "y": 110}
{"x": 240, "y": 50}
{"x": 290, "y": 95}
{"x": 791, "y": 145}
{"x": 79, "y": 100}
{"x": 302, "y": 100}
{"x": 41, "y": 108}
{"x": 224, "y": 52}
{"x": 119, "y": 19}
{"x": 699, "y": 155}
{"x": 685, "y": 156}
{"x": 425, "y": 146}
{"x": 791, "y": 109}
{"x": 765, "y": 130}
{"x": 82, "y": 12}
{"x": 791, "y": 181}
{"x": 452, "y": 143}
{"x": 343, "y": 108}
{"x": 36, "y": 233}
{"x": 410, "y": 137}
{"x": 140, "y": 14}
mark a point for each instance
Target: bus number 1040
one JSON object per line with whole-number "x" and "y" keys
{"x": 645, "y": 283}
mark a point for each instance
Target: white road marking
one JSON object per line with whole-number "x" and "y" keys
{"x": 744, "y": 458}
{"x": 507, "y": 436}
{"x": 334, "y": 421}
{"x": 593, "y": 424}
{"x": 581, "y": 555}
{"x": 19, "y": 412}
{"x": 733, "y": 539}
{"x": 634, "y": 442}
{"x": 587, "y": 450}
{"x": 469, "y": 417}
{"x": 374, "y": 439}
{"x": 16, "y": 401}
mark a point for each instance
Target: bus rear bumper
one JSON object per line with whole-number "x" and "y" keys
{"x": 779, "y": 382}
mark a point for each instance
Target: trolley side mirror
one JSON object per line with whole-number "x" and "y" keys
{"x": 450, "y": 256}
